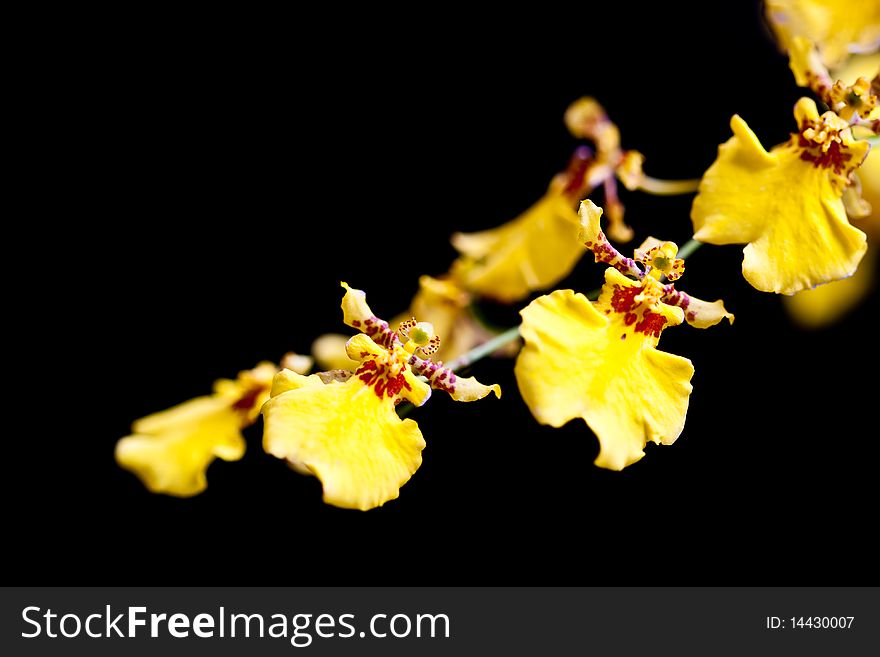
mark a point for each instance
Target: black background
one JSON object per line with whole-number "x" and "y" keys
{"x": 205, "y": 185}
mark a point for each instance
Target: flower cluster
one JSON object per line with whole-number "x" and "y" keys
{"x": 807, "y": 211}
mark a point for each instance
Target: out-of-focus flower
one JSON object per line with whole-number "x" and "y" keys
{"x": 838, "y": 28}
{"x": 852, "y": 96}
{"x": 533, "y": 251}
{"x": 170, "y": 451}
{"x": 539, "y": 248}
{"x": 598, "y": 360}
{"x": 344, "y": 429}
{"x": 785, "y": 205}
{"x": 329, "y": 352}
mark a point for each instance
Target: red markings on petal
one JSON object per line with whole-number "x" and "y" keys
{"x": 623, "y": 298}
{"x": 376, "y": 375}
{"x": 652, "y": 324}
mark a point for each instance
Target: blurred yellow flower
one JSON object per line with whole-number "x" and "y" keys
{"x": 171, "y": 451}
{"x": 539, "y": 248}
{"x": 443, "y": 303}
{"x": 852, "y": 96}
{"x": 330, "y": 354}
{"x": 786, "y": 204}
{"x": 344, "y": 429}
{"x": 533, "y": 251}
{"x": 598, "y": 360}
{"x": 838, "y": 28}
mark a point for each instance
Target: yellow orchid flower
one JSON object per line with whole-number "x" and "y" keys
{"x": 170, "y": 451}
{"x": 343, "y": 428}
{"x": 598, "y": 361}
{"x": 786, "y": 204}
{"x": 540, "y": 247}
{"x": 827, "y": 303}
{"x": 838, "y": 28}
{"x": 439, "y": 301}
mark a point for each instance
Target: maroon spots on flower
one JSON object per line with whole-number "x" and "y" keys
{"x": 356, "y": 323}
{"x": 832, "y": 154}
{"x": 576, "y": 172}
{"x": 604, "y": 252}
{"x": 623, "y": 298}
{"x": 248, "y": 399}
{"x": 652, "y": 324}
{"x": 379, "y": 331}
{"x": 439, "y": 377}
{"x": 637, "y": 315}
{"x": 691, "y": 316}
{"x": 675, "y": 298}
{"x": 377, "y": 376}
{"x": 834, "y": 158}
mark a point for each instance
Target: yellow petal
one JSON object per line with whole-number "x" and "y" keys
{"x": 591, "y": 235}
{"x": 805, "y": 62}
{"x": 357, "y": 314}
{"x": 826, "y": 304}
{"x": 575, "y": 364}
{"x": 585, "y": 118}
{"x": 289, "y": 380}
{"x": 838, "y": 28}
{"x": 630, "y": 172}
{"x": 869, "y": 178}
{"x": 348, "y": 437}
{"x": 459, "y": 388}
{"x": 698, "y": 313}
{"x": 171, "y": 451}
{"x": 355, "y": 310}
{"x": 788, "y": 209}
{"x": 858, "y": 66}
{"x": 532, "y": 252}
{"x": 249, "y": 391}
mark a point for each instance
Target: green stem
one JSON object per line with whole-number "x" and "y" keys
{"x": 483, "y": 350}
{"x": 689, "y": 247}
{"x": 874, "y": 140}
{"x": 668, "y": 187}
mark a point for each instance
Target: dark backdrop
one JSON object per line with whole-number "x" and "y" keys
{"x": 210, "y": 182}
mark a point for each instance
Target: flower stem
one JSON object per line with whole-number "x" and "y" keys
{"x": 689, "y": 247}
{"x": 484, "y": 349}
{"x": 668, "y": 187}
{"x": 874, "y": 140}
